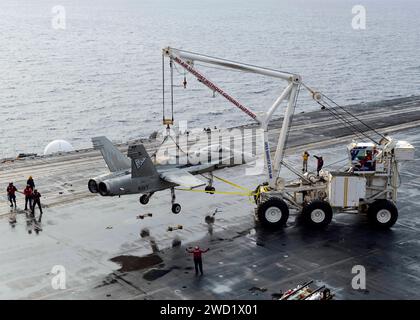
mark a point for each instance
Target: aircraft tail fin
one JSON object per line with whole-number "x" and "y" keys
{"x": 115, "y": 160}
{"x": 141, "y": 164}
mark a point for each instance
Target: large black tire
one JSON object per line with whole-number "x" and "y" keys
{"x": 382, "y": 214}
{"x": 273, "y": 213}
{"x": 176, "y": 208}
{"x": 317, "y": 214}
{"x": 144, "y": 199}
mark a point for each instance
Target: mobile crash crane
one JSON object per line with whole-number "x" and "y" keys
{"x": 369, "y": 185}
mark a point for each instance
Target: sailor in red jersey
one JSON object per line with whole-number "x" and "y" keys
{"x": 198, "y": 261}
{"x": 28, "y": 197}
{"x": 11, "y": 194}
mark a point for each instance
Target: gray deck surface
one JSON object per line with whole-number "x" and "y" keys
{"x": 83, "y": 232}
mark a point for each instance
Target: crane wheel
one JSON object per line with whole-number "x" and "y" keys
{"x": 273, "y": 213}
{"x": 176, "y": 208}
{"x": 144, "y": 199}
{"x": 317, "y": 214}
{"x": 383, "y": 214}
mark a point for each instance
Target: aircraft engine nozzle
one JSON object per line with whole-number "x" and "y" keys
{"x": 117, "y": 185}
{"x": 103, "y": 189}
{"x": 93, "y": 186}
{"x": 94, "y": 183}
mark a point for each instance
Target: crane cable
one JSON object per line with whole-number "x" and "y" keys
{"x": 354, "y": 129}
{"x": 153, "y": 155}
{"x": 357, "y": 132}
{"x": 172, "y": 89}
{"x": 335, "y": 162}
{"x": 350, "y": 121}
{"x": 350, "y": 125}
{"x": 355, "y": 117}
{"x": 338, "y": 116}
{"x": 163, "y": 88}
{"x": 164, "y": 119}
{"x": 335, "y": 113}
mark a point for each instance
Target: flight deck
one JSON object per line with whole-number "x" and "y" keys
{"x": 107, "y": 252}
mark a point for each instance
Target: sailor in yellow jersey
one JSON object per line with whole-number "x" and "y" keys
{"x": 305, "y": 157}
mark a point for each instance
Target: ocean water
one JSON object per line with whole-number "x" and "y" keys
{"x": 101, "y": 75}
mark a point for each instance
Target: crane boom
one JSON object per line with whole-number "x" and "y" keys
{"x": 227, "y": 64}
{"x": 186, "y": 60}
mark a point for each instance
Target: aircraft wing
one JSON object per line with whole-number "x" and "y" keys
{"x": 182, "y": 178}
{"x": 206, "y": 167}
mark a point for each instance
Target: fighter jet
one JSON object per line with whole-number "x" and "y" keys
{"x": 141, "y": 176}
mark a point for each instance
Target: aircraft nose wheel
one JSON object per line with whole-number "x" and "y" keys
{"x": 144, "y": 199}
{"x": 176, "y": 208}
{"x": 210, "y": 189}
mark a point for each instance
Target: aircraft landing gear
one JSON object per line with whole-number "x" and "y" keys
{"x": 144, "y": 199}
{"x": 209, "y": 188}
{"x": 176, "y": 207}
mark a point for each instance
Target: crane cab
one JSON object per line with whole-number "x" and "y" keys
{"x": 362, "y": 156}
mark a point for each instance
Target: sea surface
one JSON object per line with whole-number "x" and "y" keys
{"x": 102, "y": 74}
